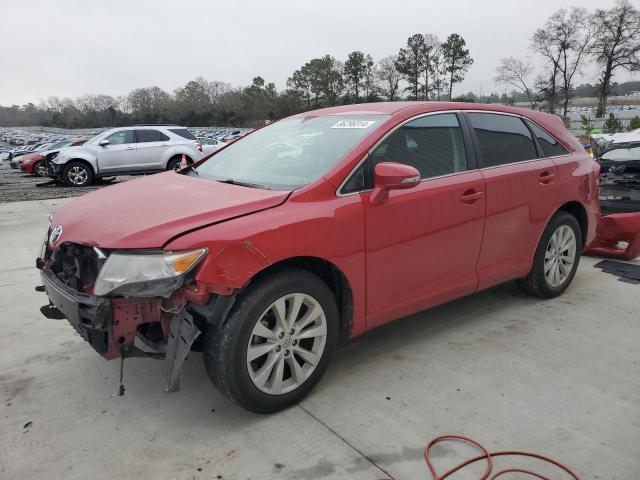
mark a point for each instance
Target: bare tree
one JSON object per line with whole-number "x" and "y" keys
{"x": 513, "y": 71}
{"x": 389, "y": 76}
{"x": 616, "y": 45}
{"x": 563, "y": 41}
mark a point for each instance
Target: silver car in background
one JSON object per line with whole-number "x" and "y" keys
{"x": 125, "y": 151}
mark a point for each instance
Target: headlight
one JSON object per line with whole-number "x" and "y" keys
{"x": 145, "y": 275}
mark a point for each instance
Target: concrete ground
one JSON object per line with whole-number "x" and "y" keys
{"x": 559, "y": 377}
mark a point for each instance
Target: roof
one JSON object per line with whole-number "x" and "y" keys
{"x": 417, "y": 107}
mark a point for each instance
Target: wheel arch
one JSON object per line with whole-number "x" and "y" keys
{"x": 174, "y": 152}
{"x": 580, "y": 213}
{"x": 80, "y": 160}
{"x": 330, "y": 274}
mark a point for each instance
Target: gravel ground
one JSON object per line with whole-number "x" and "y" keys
{"x": 16, "y": 186}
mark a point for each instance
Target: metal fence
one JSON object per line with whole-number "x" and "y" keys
{"x": 578, "y": 129}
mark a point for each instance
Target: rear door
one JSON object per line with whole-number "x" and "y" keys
{"x": 521, "y": 195}
{"x": 422, "y": 245}
{"x": 119, "y": 155}
{"x": 150, "y": 144}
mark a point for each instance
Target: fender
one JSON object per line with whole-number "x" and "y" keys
{"x": 78, "y": 155}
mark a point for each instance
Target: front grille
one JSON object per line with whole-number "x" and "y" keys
{"x": 77, "y": 266}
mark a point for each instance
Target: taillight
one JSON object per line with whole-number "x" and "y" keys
{"x": 198, "y": 145}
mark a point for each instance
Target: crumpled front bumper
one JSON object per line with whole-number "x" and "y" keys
{"x": 110, "y": 326}
{"x": 91, "y": 316}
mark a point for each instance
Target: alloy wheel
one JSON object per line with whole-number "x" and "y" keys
{"x": 78, "y": 175}
{"x": 560, "y": 256}
{"x": 286, "y": 343}
{"x": 40, "y": 169}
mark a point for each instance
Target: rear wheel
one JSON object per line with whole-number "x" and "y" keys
{"x": 276, "y": 343}
{"x": 556, "y": 259}
{"x": 77, "y": 174}
{"x": 40, "y": 169}
{"x": 174, "y": 163}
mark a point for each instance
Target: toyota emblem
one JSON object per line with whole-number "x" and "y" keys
{"x": 56, "y": 233}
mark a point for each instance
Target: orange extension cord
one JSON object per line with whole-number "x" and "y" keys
{"x": 486, "y": 455}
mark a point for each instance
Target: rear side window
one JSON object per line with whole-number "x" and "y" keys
{"x": 146, "y": 136}
{"x": 502, "y": 138}
{"x": 432, "y": 144}
{"x": 550, "y": 146}
{"x": 183, "y": 132}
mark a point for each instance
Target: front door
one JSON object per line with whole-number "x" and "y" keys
{"x": 119, "y": 155}
{"x": 422, "y": 245}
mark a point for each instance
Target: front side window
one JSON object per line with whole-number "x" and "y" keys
{"x": 503, "y": 139}
{"x": 120, "y": 138}
{"x": 550, "y": 146}
{"x": 432, "y": 144}
{"x": 291, "y": 153}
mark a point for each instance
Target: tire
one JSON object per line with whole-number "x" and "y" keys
{"x": 174, "y": 162}
{"x": 77, "y": 174}
{"x": 226, "y": 348}
{"x": 564, "y": 230}
{"x": 39, "y": 169}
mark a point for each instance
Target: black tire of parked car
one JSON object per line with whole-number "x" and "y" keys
{"x": 173, "y": 163}
{"x": 76, "y": 166}
{"x": 40, "y": 169}
{"x": 225, "y": 346}
{"x": 536, "y": 283}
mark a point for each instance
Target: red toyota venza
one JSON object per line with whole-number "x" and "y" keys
{"x": 316, "y": 229}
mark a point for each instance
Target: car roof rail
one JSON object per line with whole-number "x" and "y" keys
{"x": 155, "y": 125}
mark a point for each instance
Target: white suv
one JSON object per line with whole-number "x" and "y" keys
{"x": 125, "y": 151}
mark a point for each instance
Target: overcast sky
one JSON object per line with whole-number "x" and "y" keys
{"x": 75, "y": 47}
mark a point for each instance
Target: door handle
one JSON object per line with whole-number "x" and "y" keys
{"x": 546, "y": 177}
{"x": 130, "y": 148}
{"x": 471, "y": 196}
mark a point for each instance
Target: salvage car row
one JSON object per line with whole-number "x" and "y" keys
{"x": 133, "y": 150}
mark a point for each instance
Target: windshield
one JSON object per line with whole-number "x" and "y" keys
{"x": 624, "y": 154}
{"x": 61, "y": 144}
{"x": 95, "y": 139}
{"x": 290, "y": 153}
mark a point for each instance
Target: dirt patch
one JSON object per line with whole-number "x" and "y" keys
{"x": 17, "y": 186}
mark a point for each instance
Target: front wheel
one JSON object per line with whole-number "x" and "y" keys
{"x": 276, "y": 343}
{"x": 556, "y": 259}
{"x": 77, "y": 174}
{"x": 40, "y": 169}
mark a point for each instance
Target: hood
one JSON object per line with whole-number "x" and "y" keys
{"x": 150, "y": 211}
{"x": 30, "y": 157}
{"x": 78, "y": 148}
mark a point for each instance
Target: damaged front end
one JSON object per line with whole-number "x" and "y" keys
{"x": 619, "y": 159}
{"x": 130, "y": 304}
{"x": 618, "y": 230}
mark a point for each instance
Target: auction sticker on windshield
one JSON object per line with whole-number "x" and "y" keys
{"x": 354, "y": 124}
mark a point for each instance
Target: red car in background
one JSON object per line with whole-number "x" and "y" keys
{"x": 319, "y": 227}
{"x": 35, "y": 163}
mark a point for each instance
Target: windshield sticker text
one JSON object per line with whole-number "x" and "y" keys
{"x": 354, "y": 124}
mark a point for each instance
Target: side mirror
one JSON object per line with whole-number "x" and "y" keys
{"x": 392, "y": 176}
{"x": 103, "y": 142}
